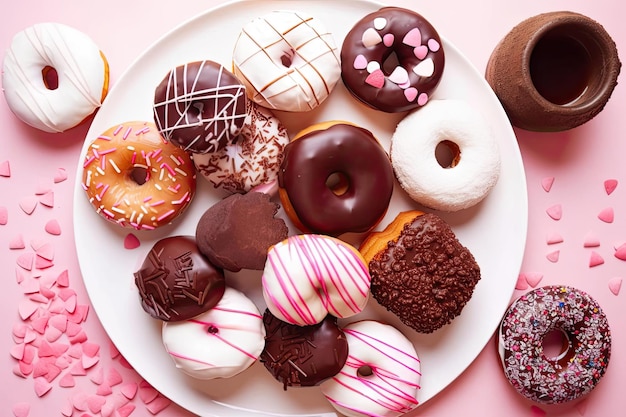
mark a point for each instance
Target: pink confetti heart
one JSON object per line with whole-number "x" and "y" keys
{"x": 126, "y": 410}
{"x": 413, "y": 38}
{"x": 554, "y": 238}
{"x": 67, "y": 381}
{"x": 131, "y": 242}
{"x": 46, "y": 251}
{"x": 5, "y": 169}
{"x": 21, "y": 409}
{"x": 129, "y": 390}
{"x": 607, "y": 215}
{"x": 26, "y": 261}
{"x": 420, "y": 52}
{"x": 60, "y": 176}
{"x": 27, "y": 308}
{"x": 59, "y": 322}
{"x": 4, "y": 215}
{"x": 422, "y": 99}
{"x": 17, "y": 351}
{"x": 433, "y": 45}
{"x": 42, "y": 188}
{"x": 610, "y": 186}
{"x": 79, "y": 401}
{"x": 521, "y": 283}
{"x": 42, "y": 263}
{"x": 555, "y": 212}
{"x": 595, "y": 259}
{"x": 371, "y": 38}
{"x": 360, "y": 62}
{"x": 147, "y": 394}
{"x": 376, "y": 79}
{"x": 553, "y": 256}
{"x": 89, "y": 362}
{"x": 63, "y": 280}
{"x": 388, "y": 40}
{"x": 47, "y": 199}
{"x": 95, "y": 403}
{"x": 28, "y": 204}
{"x": 104, "y": 390}
{"x": 42, "y": 387}
{"x": 78, "y": 369}
{"x": 533, "y": 278}
{"x": 91, "y": 349}
{"x": 53, "y": 227}
{"x": 410, "y": 94}
{"x": 547, "y": 184}
{"x": 17, "y": 242}
{"x": 113, "y": 377}
{"x": 591, "y": 241}
{"x": 66, "y": 409}
{"x": 52, "y": 335}
{"x": 620, "y": 252}
{"x": 98, "y": 376}
{"x": 159, "y": 404}
{"x": 615, "y": 284}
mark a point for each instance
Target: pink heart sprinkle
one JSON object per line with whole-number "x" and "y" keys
{"x": 615, "y": 284}
{"x": 521, "y": 283}
{"x": 58, "y": 321}
{"x": 126, "y": 410}
{"x": 79, "y": 401}
{"x": 131, "y": 242}
{"x": 554, "y": 238}
{"x": 91, "y": 349}
{"x": 67, "y": 381}
{"x": 360, "y": 62}
{"x": 159, "y": 404}
{"x": 610, "y": 186}
{"x": 42, "y": 387}
{"x": 53, "y": 227}
{"x": 27, "y": 308}
{"x": 98, "y": 376}
{"x": 422, "y": 99}
{"x": 388, "y": 40}
{"x": 129, "y": 390}
{"x": 591, "y": 241}
{"x": 42, "y": 263}
{"x": 547, "y": 183}
{"x": 433, "y": 45}
{"x": 553, "y": 256}
{"x": 47, "y": 199}
{"x": 595, "y": 259}
{"x": 420, "y": 52}
{"x": 410, "y": 94}
{"x": 607, "y": 215}
{"x": 95, "y": 403}
{"x": 21, "y": 409}
{"x": 533, "y": 278}
{"x": 5, "y": 169}
{"x": 104, "y": 390}
{"x": 28, "y": 204}
{"x": 60, "y": 176}
{"x": 413, "y": 38}
{"x": 555, "y": 212}
{"x": 17, "y": 242}
{"x": 114, "y": 377}
{"x": 147, "y": 394}
{"x": 26, "y": 261}
{"x": 4, "y": 215}
{"x": 620, "y": 252}
{"x": 88, "y": 362}
{"x": 376, "y": 79}
{"x": 67, "y": 409}
{"x": 17, "y": 351}
{"x": 43, "y": 187}
{"x": 63, "y": 280}
{"x": 52, "y": 335}
{"x": 46, "y": 251}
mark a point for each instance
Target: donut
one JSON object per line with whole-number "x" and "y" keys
{"x": 176, "y": 282}
{"x": 303, "y": 356}
{"x": 309, "y": 276}
{"x": 252, "y": 159}
{"x": 200, "y": 106}
{"x": 335, "y": 178}
{"x": 287, "y": 60}
{"x": 381, "y": 376}
{"x": 420, "y": 271}
{"x": 219, "y": 343}
{"x": 392, "y": 60}
{"x": 573, "y": 373}
{"x": 236, "y": 232}
{"x": 54, "y": 76}
{"x": 452, "y": 126}
{"x": 135, "y": 178}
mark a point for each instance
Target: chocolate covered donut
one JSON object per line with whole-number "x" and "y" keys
{"x": 392, "y": 60}
{"x": 303, "y": 356}
{"x": 176, "y": 282}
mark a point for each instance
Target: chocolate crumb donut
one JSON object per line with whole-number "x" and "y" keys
{"x": 420, "y": 271}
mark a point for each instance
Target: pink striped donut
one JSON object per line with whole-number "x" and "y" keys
{"x": 309, "y": 276}
{"x": 381, "y": 376}
{"x": 219, "y": 343}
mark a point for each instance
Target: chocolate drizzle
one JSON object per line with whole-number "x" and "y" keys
{"x": 426, "y": 276}
{"x": 303, "y": 355}
{"x": 176, "y": 282}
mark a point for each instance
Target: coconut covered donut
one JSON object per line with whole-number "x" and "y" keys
{"x": 475, "y": 164}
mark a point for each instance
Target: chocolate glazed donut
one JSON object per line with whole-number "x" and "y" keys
{"x": 392, "y": 60}
{"x": 352, "y": 158}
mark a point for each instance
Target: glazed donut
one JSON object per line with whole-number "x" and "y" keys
{"x": 372, "y": 76}
{"x": 219, "y": 343}
{"x": 307, "y": 277}
{"x": 287, "y": 60}
{"x": 252, "y": 159}
{"x": 475, "y": 166}
{"x": 54, "y": 76}
{"x": 136, "y": 179}
{"x": 335, "y": 178}
{"x": 200, "y": 106}
{"x": 576, "y": 371}
{"x": 381, "y": 376}
{"x": 420, "y": 271}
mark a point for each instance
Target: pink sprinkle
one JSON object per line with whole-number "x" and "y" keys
{"x": 42, "y": 387}
{"x": 547, "y": 183}
{"x": 165, "y": 215}
{"x": 376, "y": 79}
{"x": 595, "y": 259}
{"x": 141, "y": 131}
{"x": 553, "y": 256}
{"x": 554, "y": 238}
{"x": 88, "y": 362}
{"x": 88, "y": 161}
{"x": 607, "y": 215}
{"x": 60, "y": 176}
{"x": 615, "y": 284}
{"x": 118, "y": 130}
{"x": 67, "y": 381}
{"x": 159, "y": 404}
{"x": 610, "y": 186}
{"x": 26, "y": 261}
{"x": 46, "y": 251}
{"x": 147, "y": 394}
{"x": 533, "y": 278}
{"x": 183, "y": 199}
{"x": 521, "y": 283}
{"x": 157, "y": 203}
{"x": 591, "y": 241}
{"x": 5, "y": 169}
{"x": 131, "y": 242}
{"x": 422, "y": 99}
{"x": 620, "y": 252}
{"x": 433, "y": 45}
{"x": 555, "y": 212}
{"x": 28, "y": 204}
{"x": 21, "y": 409}
{"x": 129, "y": 390}
{"x": 63, "y": 279}
{"x": 95, "y": 403}
{"x": 126, "y": 410}
{"x": 104, "y": 390}
{"x": 53, "y": 227}
{"x": 114, "y": 377}
{"x": 91, "y": 349}
{"x": 128, "y": 130}
{"x": 4, "y": 215}
{"x": 169, "y": 168}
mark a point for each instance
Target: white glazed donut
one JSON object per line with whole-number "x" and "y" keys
{"x": 82, "y": 70}
{"x": 252, "y": 159}
{"x": 287, "y": 60}
{"x": 475, "y": 168}
{"x": 219, "y": 343}
{"x": 381, "y": 376}
{"x": 309, "y": 276}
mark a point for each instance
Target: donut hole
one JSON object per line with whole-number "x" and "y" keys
{"x": 195, "y": 109}
{"x": 364, "y": 371}
{"x": 50, "y": 77}
{"x": 139, "y": 175}
{"x": 447, "y": 154}
{"x": 211, "y": 329}
{"x": 338, "y": 183}
{"x": 286, "y": 59}
{"x": 556, "y": 345}
{"x": 390, "y": 63}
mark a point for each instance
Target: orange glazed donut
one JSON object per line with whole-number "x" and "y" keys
{"x": 135, "y": 178}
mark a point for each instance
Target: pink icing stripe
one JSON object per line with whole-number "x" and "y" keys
{"x": 188, "y": 358}
{"x": 230, "y": 310}
{"x": 364, "y": 338}
{"x": 222, "y": 339}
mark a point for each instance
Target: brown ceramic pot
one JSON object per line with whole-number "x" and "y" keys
{"x": 554, "y": 71}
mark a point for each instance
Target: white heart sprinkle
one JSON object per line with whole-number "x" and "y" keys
{"x": 371, "y": 38}
{"x": 425, "y": 68}
{"x": 380, "y": 23}
{"x": 373, "y": 66}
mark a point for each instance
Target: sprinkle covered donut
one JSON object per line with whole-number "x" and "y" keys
{"x": 574, "y": 372}
{"x": 372, "y": 74}
{"x": 135, "y": 178}
{"x": 54, "y": 76}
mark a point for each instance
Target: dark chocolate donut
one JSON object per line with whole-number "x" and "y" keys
{"x": 176, "y": 282}
{"x": 392, "y": 60}
{"x": 359, "y": 199}
{"x": 200, "y": 106}
{"x": 303, "y": 356}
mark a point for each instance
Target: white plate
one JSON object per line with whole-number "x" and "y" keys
{"x": 495, "y": 230}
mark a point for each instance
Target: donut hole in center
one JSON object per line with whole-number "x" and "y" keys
{"x": 50, "y": 77}
{"x": 211, "y": 329}
{"x": 338, "y": 183}
{"x": 364, "y": 371}
{"x": 556, "y": 345}
{"x": 195, "y": 109}
{"x": 447, "y": 154}
{"x": 390, "y": 63}
{"x": 286, "y": 58}
{"x": 139, "y": 175}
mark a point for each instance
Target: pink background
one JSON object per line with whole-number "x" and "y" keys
{"x": 579, "y": 160}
